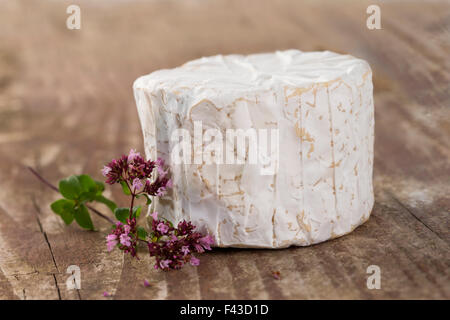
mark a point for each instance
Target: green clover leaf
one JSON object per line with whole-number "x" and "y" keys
{"x": 110, "y": 204}
{"x": 65, "y": 209}
{"x": 125, "y": 188}
{"x": 83, "y": 218}
{"x": 70, "y": 188}
{"x": 122, "y": 214}
{"x": 136, "y": 212}
{"x": 142, "y": 233}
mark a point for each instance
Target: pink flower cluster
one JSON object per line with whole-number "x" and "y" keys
{"x": 175, "y": 246}
{"x": 138, "y": 174}
{"x": 124, "y": 236}
{"x": 162, "y": 182}
{"x": 172, "y": 247}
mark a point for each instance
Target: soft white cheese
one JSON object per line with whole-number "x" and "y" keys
{"x": 321, "y": 103}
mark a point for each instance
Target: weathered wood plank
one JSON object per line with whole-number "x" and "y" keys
{"x": 66, "y": 107}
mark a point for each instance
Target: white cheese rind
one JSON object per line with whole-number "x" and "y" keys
{"x": 322, "y": 105}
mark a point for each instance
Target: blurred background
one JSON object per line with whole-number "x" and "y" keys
{"x": 66, "y": 87}
{"x": 66, "y": 107}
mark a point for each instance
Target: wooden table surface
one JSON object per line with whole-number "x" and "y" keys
{"x": 66, "y": 107}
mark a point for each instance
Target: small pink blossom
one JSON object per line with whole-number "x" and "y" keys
{"x": 162, "y": 227}
{"x": 111, "y": 237}
{"x": 161, "y": 171}
{"x": 106, "y": 294}
{"x": 194, "y": 261}
{"x": 111, "y": 241}
{"x": 154, "y": 215}
{"x": 126, "y": 229}
{"x": 110, "y": 245}
{"x": 125, "y": 239}
{"x": 164, "y": 264}
{"x": 161, "y": 191}
{"x": 160, "y": 162}
{"x": 207, "y": 241}
{"x": 132, "y": 155}
{"x": 276, "y": 275}
{"x": 106, "y": 170}
{"x": 146, "y": 283}
{"x": 137, "y": 184}
{"x": 199, "y": 248}
{"x": 185, "y": 250}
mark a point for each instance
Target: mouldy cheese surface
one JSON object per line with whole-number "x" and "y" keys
{"x": 321, "y": 103}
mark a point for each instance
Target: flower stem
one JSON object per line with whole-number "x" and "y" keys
{"x": 43, "y": 179}
{"x": 131, "y": 206}
{"x": 51, "y": 186}
{"x": 100, "y": 214}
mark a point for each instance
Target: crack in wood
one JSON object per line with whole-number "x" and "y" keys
{"x": 79, "y": 295}
{"x": 16, "y": 275}
{"x": 41, "y": 228}
{"x": 414, "y": 216}
{"x": 57, "y": 286}
{"x": 43, "y": 232}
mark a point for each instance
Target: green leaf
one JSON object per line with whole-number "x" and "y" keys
{"x": 83, "y": 218}
{"x": 61, "y": 205}
{"x": 125, "y": 188}
{"x": 137, "y": 212}
{"x": 67, "y": 216}
{"x": 89, "y": 188}
{"x": 70, "y": 187}
{"x": 142, "y": 233}
{"x": 109, "y": 203}
{"x": 64, "y": 208}
{"x": 100, "y": 187}
{"x": 87, "y": 196}
{"x": 87, "y": 183}
{"x": 92, "y": 190}
{"x": 149, "y": 200}
{"x": 122, "y": 214}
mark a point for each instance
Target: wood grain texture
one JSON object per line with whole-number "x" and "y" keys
{"x": 66, "y": 107}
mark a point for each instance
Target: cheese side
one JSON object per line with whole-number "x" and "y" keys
{"x": 319, "y": 105}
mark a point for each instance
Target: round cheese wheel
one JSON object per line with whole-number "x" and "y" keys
{"x": 265, "y": 150}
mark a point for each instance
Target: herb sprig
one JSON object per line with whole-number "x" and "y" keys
{"x": 171, "y": 246}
